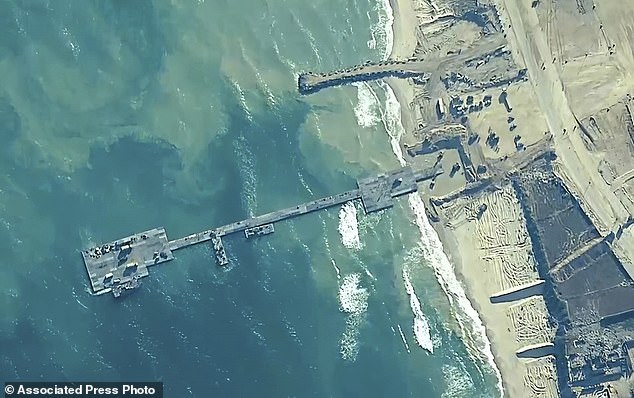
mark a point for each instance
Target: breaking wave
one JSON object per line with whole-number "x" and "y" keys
{"x": 473, "y": 331}
{"x": 382, "y": 32}
{"x": 474, "y": 334}
{"x": 353, "y": 300}
{"x": 421, "y": 325}
{"x": 458, "y": 382}
{"x": 349, "y": 227}
{"x": 382, "y": 37}
{"x": 367, "y": 108}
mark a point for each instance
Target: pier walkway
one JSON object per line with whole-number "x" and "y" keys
{"x": 117, "y": 266}
{"x": 265, "y": 219}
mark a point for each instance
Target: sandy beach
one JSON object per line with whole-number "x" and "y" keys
{"x": 491, "y": 255}
{"x": 481, "y": 273}
{"x": 404, "y": 44}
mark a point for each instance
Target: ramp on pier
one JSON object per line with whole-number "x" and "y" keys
{"x": 118, "y": 266}
{"x": 378, "y": 193}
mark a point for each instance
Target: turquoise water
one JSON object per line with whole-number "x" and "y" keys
{"x": 118, "y": 116}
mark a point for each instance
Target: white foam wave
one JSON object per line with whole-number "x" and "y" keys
{"x": 291, "y": 65}
{"x": 353, "y": 300}
{"x": 260, "y": 82}
{"x": 474, "y": 333}
{"x": 400, "y": 331}
{"x": 372, "y": 42}
{"x": 368, "y": 273}
{"x": 458, "y": 382}
{"x": 337, "y": 270}
{"x": 349, "y": 227}
{"x": 325, "y": 237}
{"x": 367, "y": 108}
{"x": 271, "y": 101}
{"x": 392, "y": 121}
{"x": 349, "y": 343}
{"x": 421, "y": 325}
{"x": 292, "y": 332}
{"x": 382, "y": 32}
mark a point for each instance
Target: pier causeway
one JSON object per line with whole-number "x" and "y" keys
{"x": 118, "y": 266}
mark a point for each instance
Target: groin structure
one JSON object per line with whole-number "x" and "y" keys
{"x": 413, "y": 67}
{"x": 310, "y": 82}
{"x": 118, "y": 266}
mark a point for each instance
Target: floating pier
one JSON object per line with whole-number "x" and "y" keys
{"x": 118, "y": 266}
{"x": 259, "y": 231}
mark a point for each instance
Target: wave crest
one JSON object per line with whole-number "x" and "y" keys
{"x": 422, "y": 332}
{"x": 367, "y": 109}
{"x": 349, "y": 226}
{"x": 353, "y": 300}
{"x": 473, "y": 330}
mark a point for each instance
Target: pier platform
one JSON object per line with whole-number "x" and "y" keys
{"x": 259, "y": 231}
{"x": 378, "y": 193}
{"x": 118, "y": 266}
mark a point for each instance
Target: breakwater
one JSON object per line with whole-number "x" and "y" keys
{"x": 311, "y": 82}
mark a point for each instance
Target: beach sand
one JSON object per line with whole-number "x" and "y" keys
{"x": 481, "y": 278}
{"x": 491, "y": 255}
{"x": 404, "y": 44}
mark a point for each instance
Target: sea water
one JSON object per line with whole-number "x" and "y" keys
{"x": 121, "y": 116}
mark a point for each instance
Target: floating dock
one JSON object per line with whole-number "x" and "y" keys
{"x": 259, "y": 231}
{"x": 118, "y": 266}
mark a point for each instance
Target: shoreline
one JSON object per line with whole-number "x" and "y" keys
{"x": 404, "y": 44}
{"x": 452, "y": 250}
